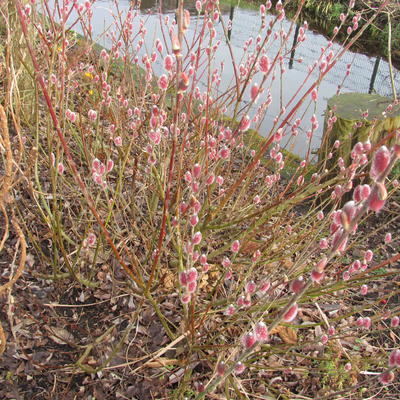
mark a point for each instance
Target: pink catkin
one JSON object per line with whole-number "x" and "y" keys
{"x": 297, "y": 285}
{"x": 265, "y": 287}
{"x": 321, "y": 264}
{"x": 245, "y": 123}
{"x": 365, "y": 191}
{"x": 185, "y": 298}
{"x": 368, "y": 256}
{"x": 92, "y": 114}
{"x": 230, "y": 310}
{"x": 250, "y": 287}
{"x": 394, "y": 358}
{"x": 380, "y": 161}
{"x": 197, "y": 238}
{"x": 386, "y": 377}
{"x": 226, "y": 262}
{"x": 248, "y": 340}
{"x": 323, "y": 244}
{"x": 367, "y": 322}
{"x": 110, "y": 165}
{"x": 196, "y": 170}
{"x": 221, "y": 367}
{"x": 235, "y": 246}
{"x": 183, "y": 278}
{"x": 261, "y": 332}
{"x": 163, "y": 82}
{"x": 91, "y": 239}
{"x": 314, "y": 95}
{"x": 364, "y": 290}
{"x": 254, "y": 91}
{"x": 191, "y": 287}
{"x": 198, "y": 6}
{"x": 60, "y": 168}
{"x": 118, "y": 141}
{"x": 348, "y": 212}
{"x": 192, "y": 275}
{"x": 291, "y": 314}
{"x": 316, "y": 276}
{"x": 168, "y": 62}
{"x": 239, "y": 368}
{"x": 194, "y": 220}
{"x": 324, "y": 339}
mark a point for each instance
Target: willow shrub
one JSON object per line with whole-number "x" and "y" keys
{"x": 148, "y": 170}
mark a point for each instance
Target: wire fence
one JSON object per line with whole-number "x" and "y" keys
{"x": 246, "y": 23}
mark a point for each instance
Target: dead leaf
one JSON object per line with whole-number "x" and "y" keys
{"x": 30, "y": 259}
{"x": 274, "y": 362}
{"x": 176, "y": 376}
{"x": 211, "y": 275}
{"x": 272, "y": 266}
{"x": 167, "y": 280}
{"x": 287, "y": 263}
{"x": 162, "y": 362}
{"x": 286, "y": 333}
{"x": 336, "y": 348}
{"x": 60, "y": 335}
{"x": 249, "y": 248}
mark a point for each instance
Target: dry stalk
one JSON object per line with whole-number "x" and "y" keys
{"x": 5, "y": 136}
{"x": 4, "y": 198}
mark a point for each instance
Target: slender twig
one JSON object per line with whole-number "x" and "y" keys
{"x": 390, "y": 56}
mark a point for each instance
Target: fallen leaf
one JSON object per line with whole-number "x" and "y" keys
{"x": 168, "y": 280}
{"x": 162, "y": 362}
{"x": 211, "y": 275}
{"x": 336, "y": 348}
{"x": 287, "y": 263}
{"x": 176, "y": 376}
{"x": 249, "y": 248}
{"x": 60, "y": 335}
{"x": 286, "y": 333}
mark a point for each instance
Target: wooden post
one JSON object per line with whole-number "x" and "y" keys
{"x": 293, "y": 52}
{"x": 373, "y": 76}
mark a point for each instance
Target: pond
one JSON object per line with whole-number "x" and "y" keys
{"x": 245, "y": 25}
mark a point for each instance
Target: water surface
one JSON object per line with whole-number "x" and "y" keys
{"x": 245, "y": 25}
